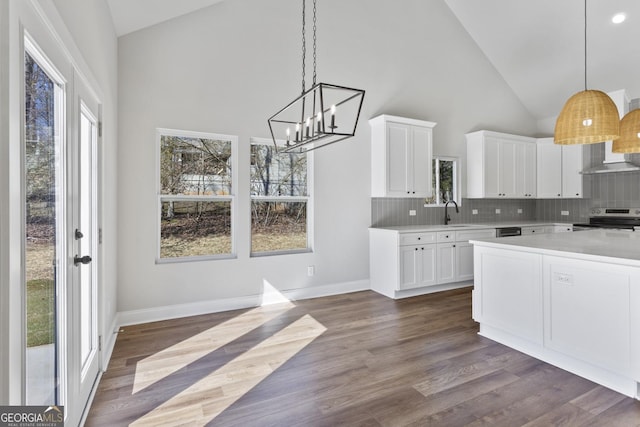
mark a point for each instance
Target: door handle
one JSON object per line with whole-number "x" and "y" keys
{"x": 81, "y": 260}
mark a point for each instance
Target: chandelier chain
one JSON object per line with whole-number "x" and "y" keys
{"x": 304, "y": 44}
{"x": 314, "y": 43}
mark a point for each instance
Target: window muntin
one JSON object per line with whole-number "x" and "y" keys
{"x": 445, "y": 181}
{"x": 196, "y": 200}
{"x": 279, "y": 200}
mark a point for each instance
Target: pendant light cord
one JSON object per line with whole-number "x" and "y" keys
{"x": 585, "y": 44}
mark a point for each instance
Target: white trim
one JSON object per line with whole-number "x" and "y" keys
{"x": 134, "y": 317}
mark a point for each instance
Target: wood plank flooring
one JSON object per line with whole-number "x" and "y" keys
{"x": 359, "y": 359}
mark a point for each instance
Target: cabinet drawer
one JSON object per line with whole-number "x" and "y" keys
{"x": 446, "y": 236}
{"x": 417, "y": 238}
{"x": 533, "y": 230}
{"x": 465, "y": 236}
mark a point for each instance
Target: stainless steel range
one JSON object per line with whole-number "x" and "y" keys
{"x": 616, "y": 218}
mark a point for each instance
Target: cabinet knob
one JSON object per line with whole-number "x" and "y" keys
{"x": 558, "y": 194}
{"x": 577, "y": 194}
{"x": 416, "y": 249}
{"x": 533, "y": 231}
{"x": 454, "y": 246}
{"x": 422, "y": 249}
{"x": 419, "y": 238}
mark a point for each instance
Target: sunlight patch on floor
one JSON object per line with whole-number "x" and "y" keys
{"x": 210, "y": 396}
{"x": 168, "y": 361}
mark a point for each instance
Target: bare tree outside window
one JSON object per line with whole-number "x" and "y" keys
{"x": 279, "y": 200}
{"x": 195, "y": 196}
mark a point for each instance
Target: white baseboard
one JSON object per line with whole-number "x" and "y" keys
{"x": 134, "y": 317}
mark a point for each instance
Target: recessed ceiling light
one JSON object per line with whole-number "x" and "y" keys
{"x": 618, "y": 18}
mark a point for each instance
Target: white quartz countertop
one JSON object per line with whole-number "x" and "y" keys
{"x": 612, "y": 246}
{"x": 462, "y": 227}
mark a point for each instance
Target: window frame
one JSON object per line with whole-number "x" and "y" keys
{"x": 231, "y": 197}
{"x": 308, "y": 199}
{"x": 456, "y": 180}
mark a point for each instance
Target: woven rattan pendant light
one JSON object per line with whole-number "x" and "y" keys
{"x": 629, "y": 141}
{"x": 590, "y": 116}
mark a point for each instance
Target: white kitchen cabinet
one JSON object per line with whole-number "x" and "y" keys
{"x": 403, "y": 264}
{"x": 558, "y": 170}
{"x": 538, "y": 229}
{"x": 455, "y": 254}
{"x": 508, "y": 294}
{"x": 500, "y": 165}
{"x": 418, "y": 266}
{"x": 401, "y": 157}
{"x": 573, "y": 161}
{"x": 584, "y": 300}
{"x": 526, "y": 173}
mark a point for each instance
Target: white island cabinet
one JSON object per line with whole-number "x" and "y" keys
{"x": 572, "y": 300}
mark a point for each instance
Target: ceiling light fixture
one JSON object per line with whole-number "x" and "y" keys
{"x": 629, "y": 141}
{"x": 322, "y": 115}
{"x": 590, "y": 116}
{"x": 619, "y": 18}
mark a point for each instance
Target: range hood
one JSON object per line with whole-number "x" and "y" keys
{"x": 616, "y": 162}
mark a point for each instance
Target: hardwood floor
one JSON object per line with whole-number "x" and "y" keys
{"x": 357, "y": 359}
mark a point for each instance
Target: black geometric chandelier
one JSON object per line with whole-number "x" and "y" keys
{"x": 320, "y": 116}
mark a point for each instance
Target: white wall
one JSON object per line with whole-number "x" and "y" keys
{"x": 227, "y": 68}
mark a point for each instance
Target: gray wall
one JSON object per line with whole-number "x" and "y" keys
{"x": 227, "y": 68}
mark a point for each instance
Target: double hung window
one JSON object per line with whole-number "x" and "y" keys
{"x": 196, "y": 194}
{"x": 280, "y": 202}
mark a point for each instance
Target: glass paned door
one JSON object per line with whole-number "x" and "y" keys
{"x": 44, "y": 240}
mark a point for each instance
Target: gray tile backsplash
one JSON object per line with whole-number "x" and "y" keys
{"x": 620, "y": 189}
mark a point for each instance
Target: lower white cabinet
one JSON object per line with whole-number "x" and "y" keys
{"x": 405, "y": 264}
{"x": 417, "y": 266}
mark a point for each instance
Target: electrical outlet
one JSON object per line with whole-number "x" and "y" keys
{"x": 311, "y": 270}
{"x": 565, "y": 213}
{"x": 412, "y": 212}
{"x": 497, "y": 211}
{"x": 519, "y": 211}
{"x": 474, "y": 211}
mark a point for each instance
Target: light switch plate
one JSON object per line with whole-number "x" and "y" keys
{"x": 474, "y": 211}
{"x": 564, "y": 213}
{"x": 412, "y": 212}
{"x": 497, "y": 211}
{"x": 519, "y": 211}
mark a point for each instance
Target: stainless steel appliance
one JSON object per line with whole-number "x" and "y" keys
{"x": 612, "y": 218}
{"x": 508, "y": 231}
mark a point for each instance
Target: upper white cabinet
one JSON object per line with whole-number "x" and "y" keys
{"x": 401, "y": 157}
{"x": 500, "y": 165}
{"x": 559, "y": 168}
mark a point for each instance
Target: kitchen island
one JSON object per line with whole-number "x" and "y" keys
{"x": 570, "y": 299}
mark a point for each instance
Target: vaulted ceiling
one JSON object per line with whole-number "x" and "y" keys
{"x": 537, "y": 46}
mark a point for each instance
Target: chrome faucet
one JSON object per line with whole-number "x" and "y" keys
{"x": 447, "y": 218}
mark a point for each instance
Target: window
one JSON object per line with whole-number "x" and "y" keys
{"x": 196, "y": 184}
{"x": 280, "y": 202}
{"x": 445, "y": 181}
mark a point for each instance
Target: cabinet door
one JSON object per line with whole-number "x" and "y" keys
{"x": 428, "y": 265}
{"x": 446, "y": 269}
{"x": 571, "y": 168}
{"x": 549, "y": 169}
{"x": 464, "y": 261}
{"x": 409, "y": 259}
{"x": 419, "y": 169}
{"x": 529, "y": 171}
{"x": 397, "y": 158}
{"x": 491, "y": 167}
{"x": 507, "y": 170}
